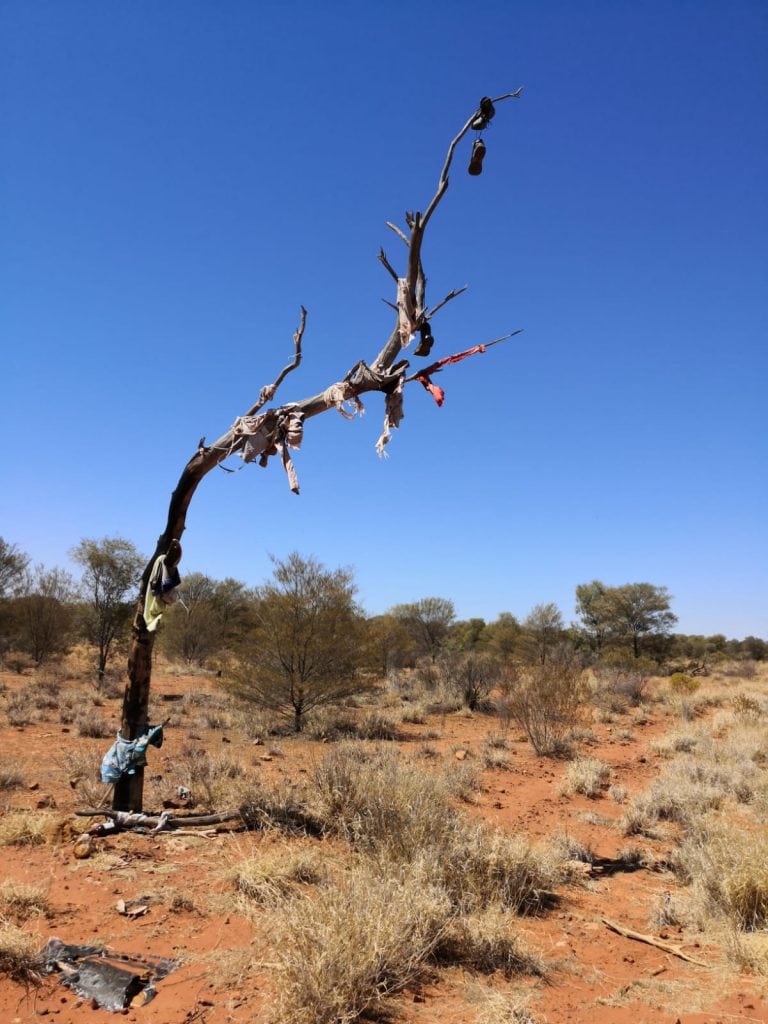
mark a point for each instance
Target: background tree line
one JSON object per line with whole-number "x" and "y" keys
{"x": 301, "y": 639}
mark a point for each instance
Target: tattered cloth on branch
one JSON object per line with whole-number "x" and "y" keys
{"x": 267, "y": 435}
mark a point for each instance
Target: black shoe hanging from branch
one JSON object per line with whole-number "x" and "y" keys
{"x": 478, "y": 152}
{"x": 484, "y": 115}
{"x": 426, "y": 341}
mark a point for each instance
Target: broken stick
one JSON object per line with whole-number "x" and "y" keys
{"x": 651, "y": 941}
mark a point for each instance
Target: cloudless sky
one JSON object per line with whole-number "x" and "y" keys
{"x": 177, "y": 177}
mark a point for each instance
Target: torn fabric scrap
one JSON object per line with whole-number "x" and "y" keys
{"x": 340, "y": 395}
{"x": 437, "y": 392}
{"x": 125, "y": 756}
{"x": 290, "y": 434}
{"x": 256, "y": 433}
{"x": 161, "y": 591}
{"x": 424, "y": 376}
{"x": 393, "y": 414}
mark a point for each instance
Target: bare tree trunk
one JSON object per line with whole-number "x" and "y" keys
{"x": 273, "y": 438}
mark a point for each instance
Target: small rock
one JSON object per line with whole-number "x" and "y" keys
{"x": 34, "y": 785}
{"x": 83, "y": 848}
{"x": 460, "y": 755}
{"x": 265, "y": 757}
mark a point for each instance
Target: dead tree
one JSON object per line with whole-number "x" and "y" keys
{"x": 267, "y": 430}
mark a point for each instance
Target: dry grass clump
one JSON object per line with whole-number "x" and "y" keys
{"x": 485, "y": 943}
{"x": 640, "y": 819}
{"x": 375, "y": 801}
{"x": 586, "y": 775}
{"x": 20, "y": 709}
{"x": 679, "y": 741}
{"x": 210, "y": 780}
{"x": 480, "y": 867}
{"x": 283, "y": 807}
{"x": 341, "y": 953}
{"x": 271, "y": 876}
{"x": 679, "y": 796}
{"x": 728, "y": 873}
{"x": 81, "y": 767}
{"x": 397, "y": 813}
{"x": 494, "y": 1007}
{"x": 19, "y": 902}
{"x": 18, "y": 959}
{"x": 25, "y": 828}
{"x": 10, "y": 777}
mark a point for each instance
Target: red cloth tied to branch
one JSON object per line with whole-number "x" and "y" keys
{"x": 423, "y": 377}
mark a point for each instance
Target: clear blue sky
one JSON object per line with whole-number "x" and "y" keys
{"x": 176, "y": 177}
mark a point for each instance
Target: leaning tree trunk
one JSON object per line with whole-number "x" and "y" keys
{"x": 264, "y": 433}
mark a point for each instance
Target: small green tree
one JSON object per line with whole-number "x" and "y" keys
{"x": 13, "y": 565}
{"x": 305, "y": 646}
{"x": 209, "y": 616}
{"x": 596, "y": 608}
{"x": 643, "y": 609}
{"x": 543, "y": 631}
{"x": 428, "y": 622}
{"x": 471, "y": 675}
{"x": 43, "y": 614}
{"x": 111, "y": 571}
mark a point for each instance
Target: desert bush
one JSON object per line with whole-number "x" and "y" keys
{"x": 470, "y": 676}
{"x": 747, "y": 707}
{"x": 93, "y": 725}
{"x": 45, "y": 692}
{"x": 18, "y": 662}
{"x": 377, "y": 726}
{"x": 341, "y": 953}
{"x": 414, "y": 714}
{"x": 18, "y": 958}
{"x": 586, "y": 775}
{"x": 548, "y": 704}
{"x": 681, "y": 683}
{"x": 619, "y": 687}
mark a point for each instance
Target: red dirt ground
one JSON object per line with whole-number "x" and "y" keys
{"x": 597, "y": 976}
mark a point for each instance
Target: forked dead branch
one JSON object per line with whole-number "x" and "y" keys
{"x": 267, "y": 430}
